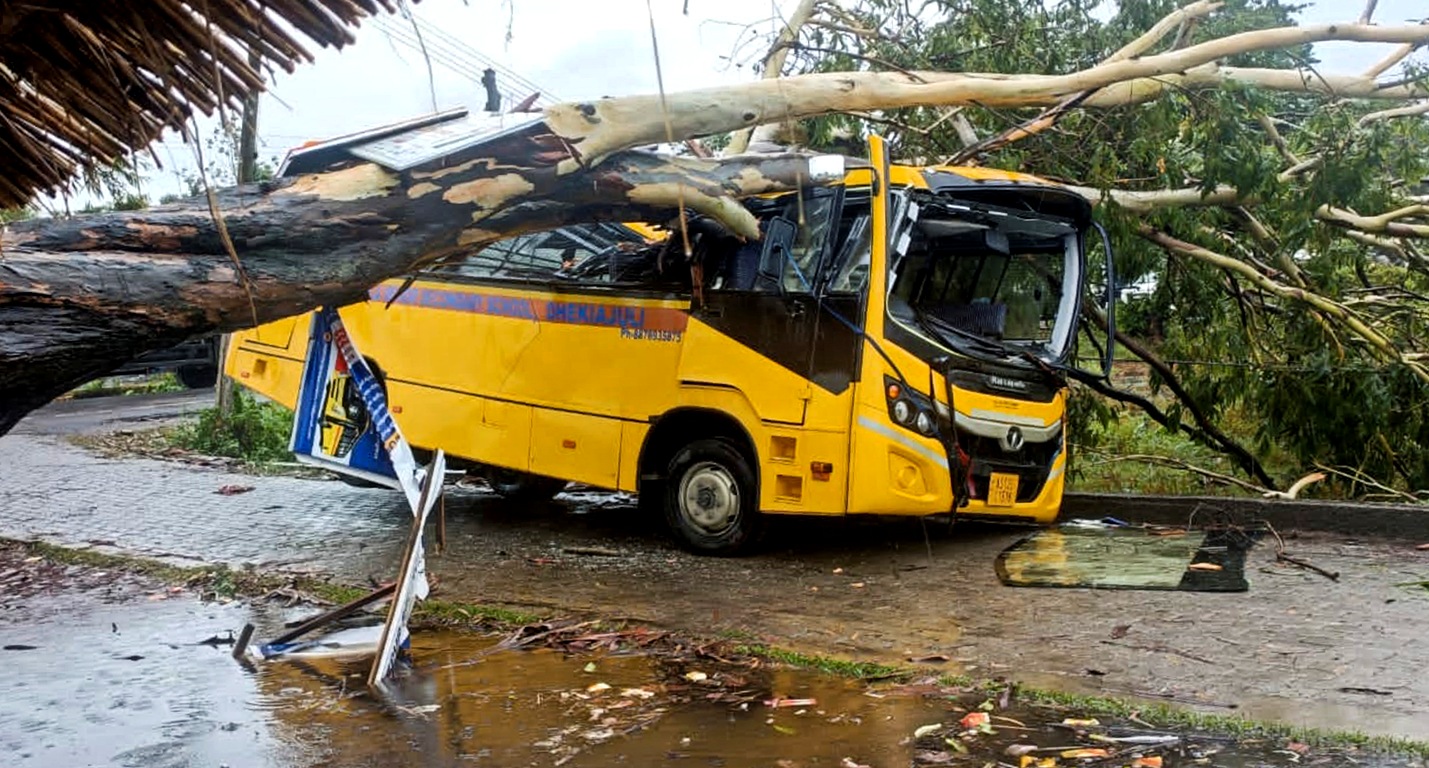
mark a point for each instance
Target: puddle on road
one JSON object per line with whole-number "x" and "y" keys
{"x": 126, "y": 684}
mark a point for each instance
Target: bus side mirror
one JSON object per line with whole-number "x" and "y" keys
{"x": 1108, "y": 302}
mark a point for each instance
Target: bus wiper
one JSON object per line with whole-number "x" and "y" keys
{"x": 940, "y": 328}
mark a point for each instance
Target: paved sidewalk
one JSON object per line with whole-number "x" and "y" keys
{"x": 1297, "y": 647}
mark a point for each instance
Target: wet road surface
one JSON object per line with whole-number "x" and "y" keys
{"x": 1296, "y": 648}
{"x": 115, "y": 672}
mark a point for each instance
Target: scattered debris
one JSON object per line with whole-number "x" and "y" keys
{"x": 340, "y": 612}
{"x": 240, "y": 648}
{"x": 1161, "y": 648}
{"x": 778, "y": 702}
{"x": 696, "y": 677}
{"x": 592, "y": 551}
{"x": 1281, "y": 557}
{"x": 974, "y": 720}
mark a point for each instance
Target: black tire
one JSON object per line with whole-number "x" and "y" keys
{"x": 712, "y": 500}
{"x": 197, "y": 376}
{"x": 357, "y": 482}
{"x": 523, "y": 487}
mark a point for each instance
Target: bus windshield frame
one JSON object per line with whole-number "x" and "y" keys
{"x": 985, "y": 281}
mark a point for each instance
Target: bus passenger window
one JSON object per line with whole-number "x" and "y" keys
{"x": 736, "y": 266}
{"x": 566, "y": 253}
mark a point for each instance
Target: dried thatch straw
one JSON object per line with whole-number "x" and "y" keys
{"x": 84, "y": 82}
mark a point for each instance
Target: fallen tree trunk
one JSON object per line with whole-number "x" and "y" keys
{"x": 79, "y": 297}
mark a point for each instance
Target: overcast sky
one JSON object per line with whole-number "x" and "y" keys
{"x": 574, "y": 48}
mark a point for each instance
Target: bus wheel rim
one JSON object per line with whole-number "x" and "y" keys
{"x": 709, "y": 497}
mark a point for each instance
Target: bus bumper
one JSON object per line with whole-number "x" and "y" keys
{"x": 901, "y": 473}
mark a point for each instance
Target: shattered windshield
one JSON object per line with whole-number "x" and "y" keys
{"x": 988, "y": 280}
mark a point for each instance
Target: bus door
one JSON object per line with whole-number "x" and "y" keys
{"x": 763, "y": 299}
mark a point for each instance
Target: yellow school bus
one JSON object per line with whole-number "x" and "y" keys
{"x": 895, "y": 344}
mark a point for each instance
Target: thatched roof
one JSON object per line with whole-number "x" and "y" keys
{"x": 83, "y": 82}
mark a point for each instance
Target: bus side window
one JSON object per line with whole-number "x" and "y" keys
{"x": 794, "y": 266}
{"x": 542, "y": 256}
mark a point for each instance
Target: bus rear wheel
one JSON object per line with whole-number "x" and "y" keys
{"x": 711, "y": 503}
{"x": 523, "y": 487}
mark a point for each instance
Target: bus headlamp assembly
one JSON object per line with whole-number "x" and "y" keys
{"x": 925, "y": 423}
{"x": 910, "y": 411}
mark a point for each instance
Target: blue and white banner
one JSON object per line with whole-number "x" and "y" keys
{"x": 342, "y": 423}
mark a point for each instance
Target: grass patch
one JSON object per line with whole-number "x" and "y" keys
{"x": 1170, "y": 716}
{"x": 862, "y": 670}
{"x": 447, "y": 612}
{"x": 220, "y": 581}
{"x": 255, "y": 432}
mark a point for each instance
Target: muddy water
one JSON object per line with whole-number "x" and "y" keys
{"x": 100, "y": 677}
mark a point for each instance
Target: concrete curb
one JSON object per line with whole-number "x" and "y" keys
{"x": 1396, "y": 521}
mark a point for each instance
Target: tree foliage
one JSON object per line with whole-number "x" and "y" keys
{"x": 1311, "y": 380}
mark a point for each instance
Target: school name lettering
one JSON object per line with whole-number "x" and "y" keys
{"x": 575, "y": 313}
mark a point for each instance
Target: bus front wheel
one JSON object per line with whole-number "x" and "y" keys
{"x": 711, "y": 502}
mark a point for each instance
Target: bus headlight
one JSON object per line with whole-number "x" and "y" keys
{"x": 903, "y": 412}
{"x": 925, "y": 423}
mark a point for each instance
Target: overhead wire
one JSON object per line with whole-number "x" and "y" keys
{"x": 460, "y": 45}
{"x": 458, "y": 56}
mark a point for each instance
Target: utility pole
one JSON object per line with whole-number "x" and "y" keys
{"x": 247, "y": 172}
{"x": 248, "y": 132}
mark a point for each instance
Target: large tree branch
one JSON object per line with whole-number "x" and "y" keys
{"x": 598, "y": 128}
{"x": 79, "y": 297}
{"x": 1170, "y": 23}
{"x": 1381, "y": 345}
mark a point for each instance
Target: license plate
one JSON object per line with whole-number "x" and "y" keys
{"x": 1002, "y": 490}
